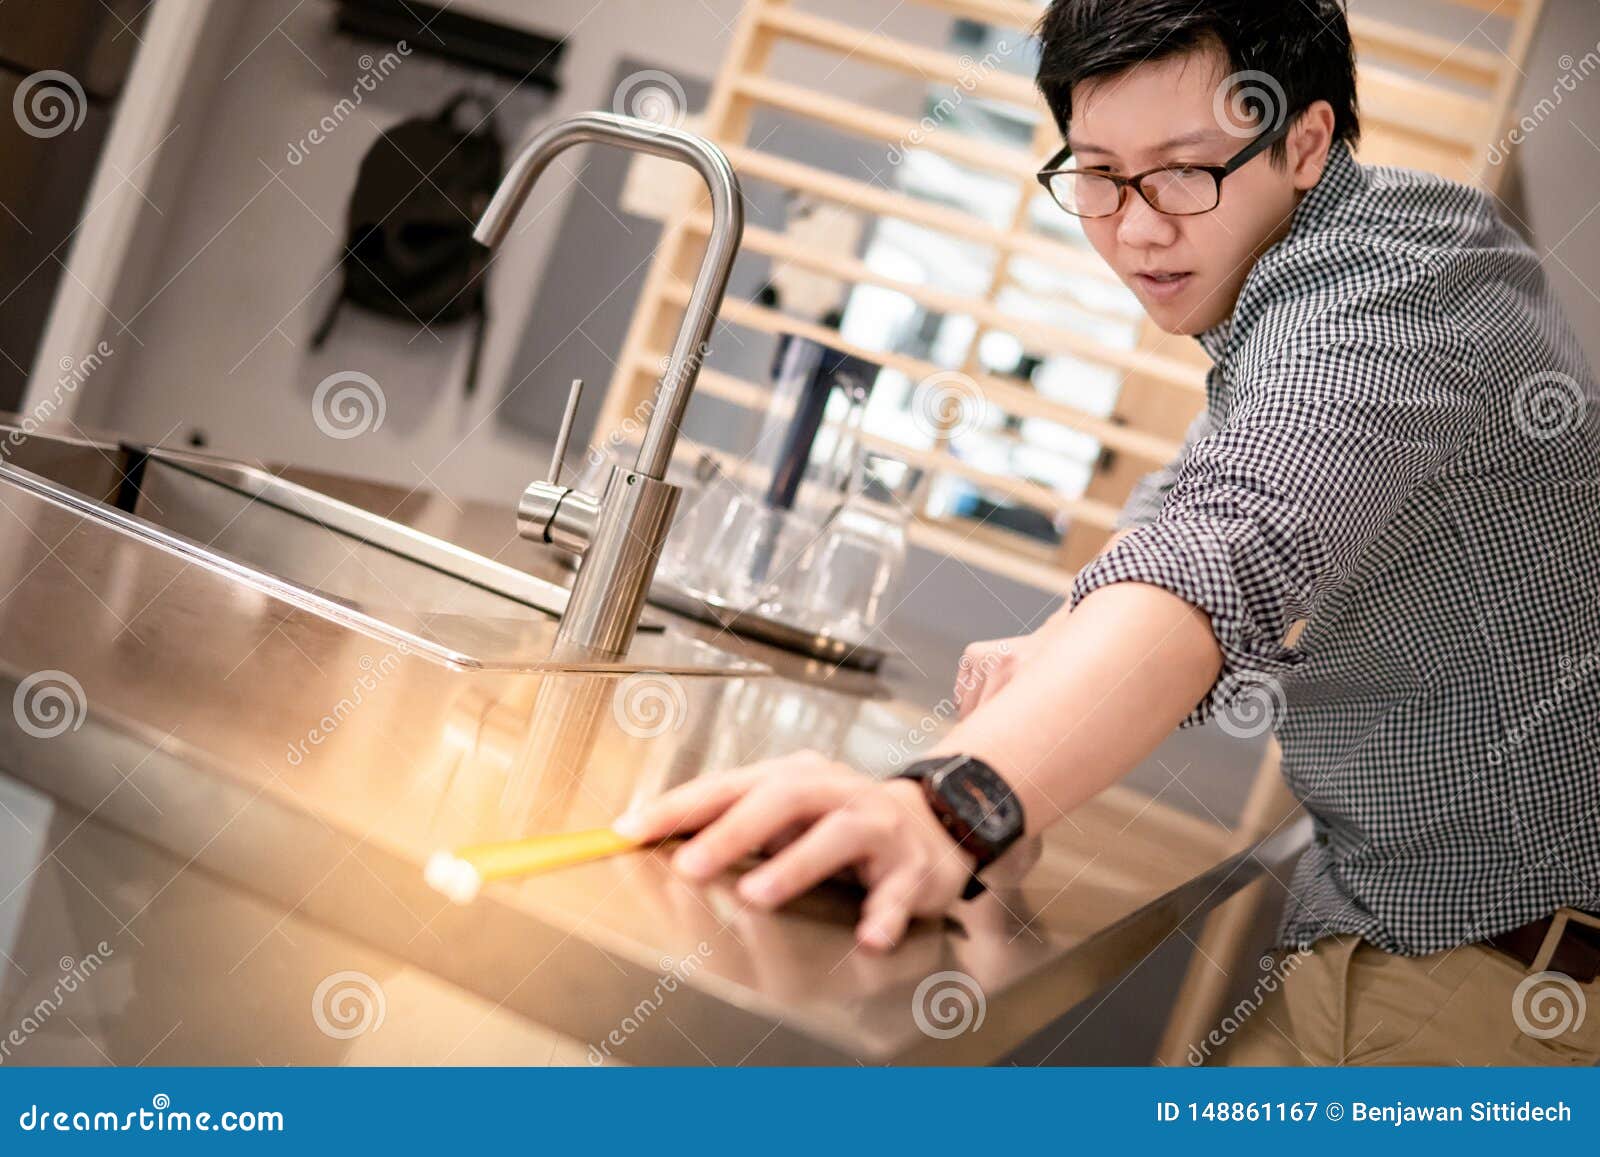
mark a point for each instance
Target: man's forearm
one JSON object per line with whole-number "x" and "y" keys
{"x": 1059, "y": 616}
{"x": 1109, "y": 683}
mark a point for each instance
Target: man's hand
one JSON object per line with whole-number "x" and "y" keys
{"x": 825, "y": 818}
{"x": 988, "y": 666}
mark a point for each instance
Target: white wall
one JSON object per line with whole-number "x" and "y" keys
{"x": 1559, "y": 163}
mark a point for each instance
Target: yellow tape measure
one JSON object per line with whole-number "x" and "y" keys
{"x": 460, "y": 874}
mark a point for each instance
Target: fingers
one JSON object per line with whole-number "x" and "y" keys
{"x": 906, "y": 861}
{"x": 760, "y": 815}
{"x": 691, "y": 806}
{"x": 967, "y": 701}
{"x": 979, "y": 682}
{"x": 888, "y": 909}
{"x": 985, "y": 668}
{"x": 824, "y": 818}
{"x": 969, "y": 680}
{"x": 784, "y": 838}
{"x": 695, "y": 804}
{"x": 830, "y": 846}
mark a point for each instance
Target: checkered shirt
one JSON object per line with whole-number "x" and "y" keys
{"x": 1401, "y": 446}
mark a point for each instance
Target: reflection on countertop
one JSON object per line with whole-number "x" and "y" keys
{"x": 117, "y": 953}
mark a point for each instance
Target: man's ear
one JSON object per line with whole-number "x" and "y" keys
{"x": 1308, "y": 144}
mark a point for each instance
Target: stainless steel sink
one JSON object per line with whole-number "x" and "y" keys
{"x": 329, "y": 557}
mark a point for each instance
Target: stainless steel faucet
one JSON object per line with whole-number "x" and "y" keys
{"x": 619, "y": 535}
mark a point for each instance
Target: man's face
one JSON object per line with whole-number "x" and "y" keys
{"x": 1186, "y": 271}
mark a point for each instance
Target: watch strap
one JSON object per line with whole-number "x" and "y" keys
{"x": 923, "y": 771}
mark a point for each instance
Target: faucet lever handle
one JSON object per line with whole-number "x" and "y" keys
{"x": 564, "y": 434}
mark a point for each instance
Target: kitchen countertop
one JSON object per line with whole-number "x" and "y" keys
{"x": 317, "y": 768}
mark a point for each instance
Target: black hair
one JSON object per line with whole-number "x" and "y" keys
{"x": 1298, "y": 52}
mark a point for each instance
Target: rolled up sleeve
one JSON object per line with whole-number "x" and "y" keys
{"x": 1271, "y": 511}
{"x": 1150, "y": 492}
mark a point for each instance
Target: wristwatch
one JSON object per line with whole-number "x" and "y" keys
{"x": 974, "y": 804}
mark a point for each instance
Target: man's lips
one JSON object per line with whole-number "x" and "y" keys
{"x": 1162, "y": 286}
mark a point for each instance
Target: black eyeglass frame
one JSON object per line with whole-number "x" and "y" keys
{"x": 1054, "y": 167}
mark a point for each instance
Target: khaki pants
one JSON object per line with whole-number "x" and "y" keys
{"x": 1345, "y": 1002}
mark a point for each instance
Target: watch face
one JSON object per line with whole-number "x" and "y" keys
{"x": 981, "y": 799}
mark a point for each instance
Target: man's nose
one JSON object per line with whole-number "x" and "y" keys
{"x": 1141, "y": 227}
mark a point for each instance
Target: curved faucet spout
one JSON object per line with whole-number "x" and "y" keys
{"x": 727, "y": 231}
{"x": 620, "y": 533}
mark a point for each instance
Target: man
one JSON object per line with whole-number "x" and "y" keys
{"x": 1399, "y": 448}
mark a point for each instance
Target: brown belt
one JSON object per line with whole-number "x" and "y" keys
{"x": 1576, "y": 952}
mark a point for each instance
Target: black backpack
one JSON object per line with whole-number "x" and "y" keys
{"x": 409, "y": 251}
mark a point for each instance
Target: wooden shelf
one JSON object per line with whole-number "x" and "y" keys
{"x": 1007, "y": 13}
{"x": 898, "y": 132}
{"x": 1434, "y": 55}
{"x": 927, "y": 64}
{"x": 750, "y": 396}
{"x": 1011, "y": 397}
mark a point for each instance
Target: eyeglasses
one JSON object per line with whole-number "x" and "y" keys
{"x": 1176, "y": 190}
